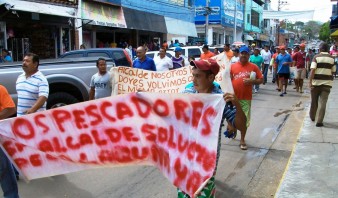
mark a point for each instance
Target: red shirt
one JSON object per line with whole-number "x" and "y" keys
{"x": 205, "y": 56}
{"x": 299, "y": 58}
{"x": 237, "y": 73}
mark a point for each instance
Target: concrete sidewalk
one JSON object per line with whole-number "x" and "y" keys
{"x": 313, "y": 167}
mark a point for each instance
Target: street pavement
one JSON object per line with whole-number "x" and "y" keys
{"x": 312, "y": 170}
{"x": 276, "y": 123}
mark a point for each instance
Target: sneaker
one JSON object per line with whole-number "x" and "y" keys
{"x": 284, "y": 92}
{"x": 256, "y": 90}
{"x": 230, "y": 135}
{"x": 281, "y": 95}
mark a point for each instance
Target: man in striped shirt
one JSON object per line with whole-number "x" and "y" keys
{"x": 321, "y": 80}
{"x": 32, "y": 87}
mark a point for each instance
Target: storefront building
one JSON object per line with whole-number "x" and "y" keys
{"x": 112, "y": 23}
{"x": 177, "y": 23}
{"x": 222, "y": 20}
{"x": 42, "y": 28}
{"x": 254, "y": 31}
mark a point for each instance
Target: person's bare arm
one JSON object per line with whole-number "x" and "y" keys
{"x": 37, "y": 105}
{"x": 92, "y": 93}
{"x": 248, "y": 81}
{"x": 7, "y": 112}
{"x": 311, "y": 76}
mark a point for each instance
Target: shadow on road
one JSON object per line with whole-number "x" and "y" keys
{"x": 223, "y": 190}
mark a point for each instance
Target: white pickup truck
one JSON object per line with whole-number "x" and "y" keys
{"x": 68, "y": 78}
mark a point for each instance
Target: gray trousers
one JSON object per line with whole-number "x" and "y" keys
{"x": 319, "y": 96}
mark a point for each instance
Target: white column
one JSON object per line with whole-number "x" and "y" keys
{"x": 224, "y": 34}
{"x": 210, "y": 31}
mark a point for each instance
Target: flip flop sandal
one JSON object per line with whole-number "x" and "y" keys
{"x": 243, "y": 146}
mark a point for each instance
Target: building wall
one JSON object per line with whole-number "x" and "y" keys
{"x": 178, "y": 9}
{"x": 249, "y": 27}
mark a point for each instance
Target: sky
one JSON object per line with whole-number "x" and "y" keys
{"x": 323, "y": 8}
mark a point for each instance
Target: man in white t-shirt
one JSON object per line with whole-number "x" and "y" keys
{"x": 100, "y": 85}
{"x": 266, "y": 54}
{"x": 163, "y": 62}
{"x": 235, "y": 58}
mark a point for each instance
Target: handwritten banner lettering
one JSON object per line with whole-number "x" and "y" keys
{"x": 128, "y": 80}
{"x": 177, "y": 133}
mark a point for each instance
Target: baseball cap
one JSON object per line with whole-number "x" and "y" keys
{"x": 277, "y": 47}
{"x": 244, "y": 48}
{"x": 282, "y": 47}
{"x": 178, "y": 49}
{"x": 205, "y": 65}
{"x": 302, "y": 45}
{"x": 253, "y": 44}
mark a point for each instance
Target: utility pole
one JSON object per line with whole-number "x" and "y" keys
{"x": 207, "y": 12}
{"x": 235, "y": 22}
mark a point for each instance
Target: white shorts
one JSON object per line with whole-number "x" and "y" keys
{"x": 300, "y": 73}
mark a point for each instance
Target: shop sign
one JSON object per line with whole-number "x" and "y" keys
{"x": 228, "y": 14}
{"x": 263, "y": 37}
{"x": 103, "y": 15}
{"x": 201, "y": 11}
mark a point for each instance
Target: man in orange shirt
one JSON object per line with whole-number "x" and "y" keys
{"x": 7, "y": 177}
{"x": 228, "y": 52}
{"x": 206, "y": 53}
{"x": 243, "y": 75}
{"x": 165, "y": 45}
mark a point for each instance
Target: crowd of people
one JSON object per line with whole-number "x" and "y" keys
{"x": 249, "y": 68}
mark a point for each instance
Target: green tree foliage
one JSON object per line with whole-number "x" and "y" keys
{"x": 324, "y": 32}
{"x": 311, "y": 29}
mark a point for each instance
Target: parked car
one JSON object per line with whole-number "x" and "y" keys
{"x": 68, "y": 79}
{"x": 170, "y": 54}
{"x": 119, "y": 55}
{"x": 190, "y": 51}
{"x": 220, "y": 48}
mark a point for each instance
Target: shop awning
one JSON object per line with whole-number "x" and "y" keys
{"x": 179, "y": 27}
{"x": 139, "y": 20}
{"x": 103, "y": 15}
{"x": 249, "y": 38}
{"x": 39, "y": 8}
{"x": 334, "y": 34}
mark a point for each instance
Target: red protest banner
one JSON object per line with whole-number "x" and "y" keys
{"x": 177, "y": 133}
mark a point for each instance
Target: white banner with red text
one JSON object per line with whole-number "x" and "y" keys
{"x": 129, "y": 80}
{"x": 177, "y": 133}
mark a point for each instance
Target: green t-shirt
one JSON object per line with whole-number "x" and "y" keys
{"x": 257, "y": 60}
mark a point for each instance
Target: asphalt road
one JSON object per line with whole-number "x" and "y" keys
{"x": 257, "y": 172}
